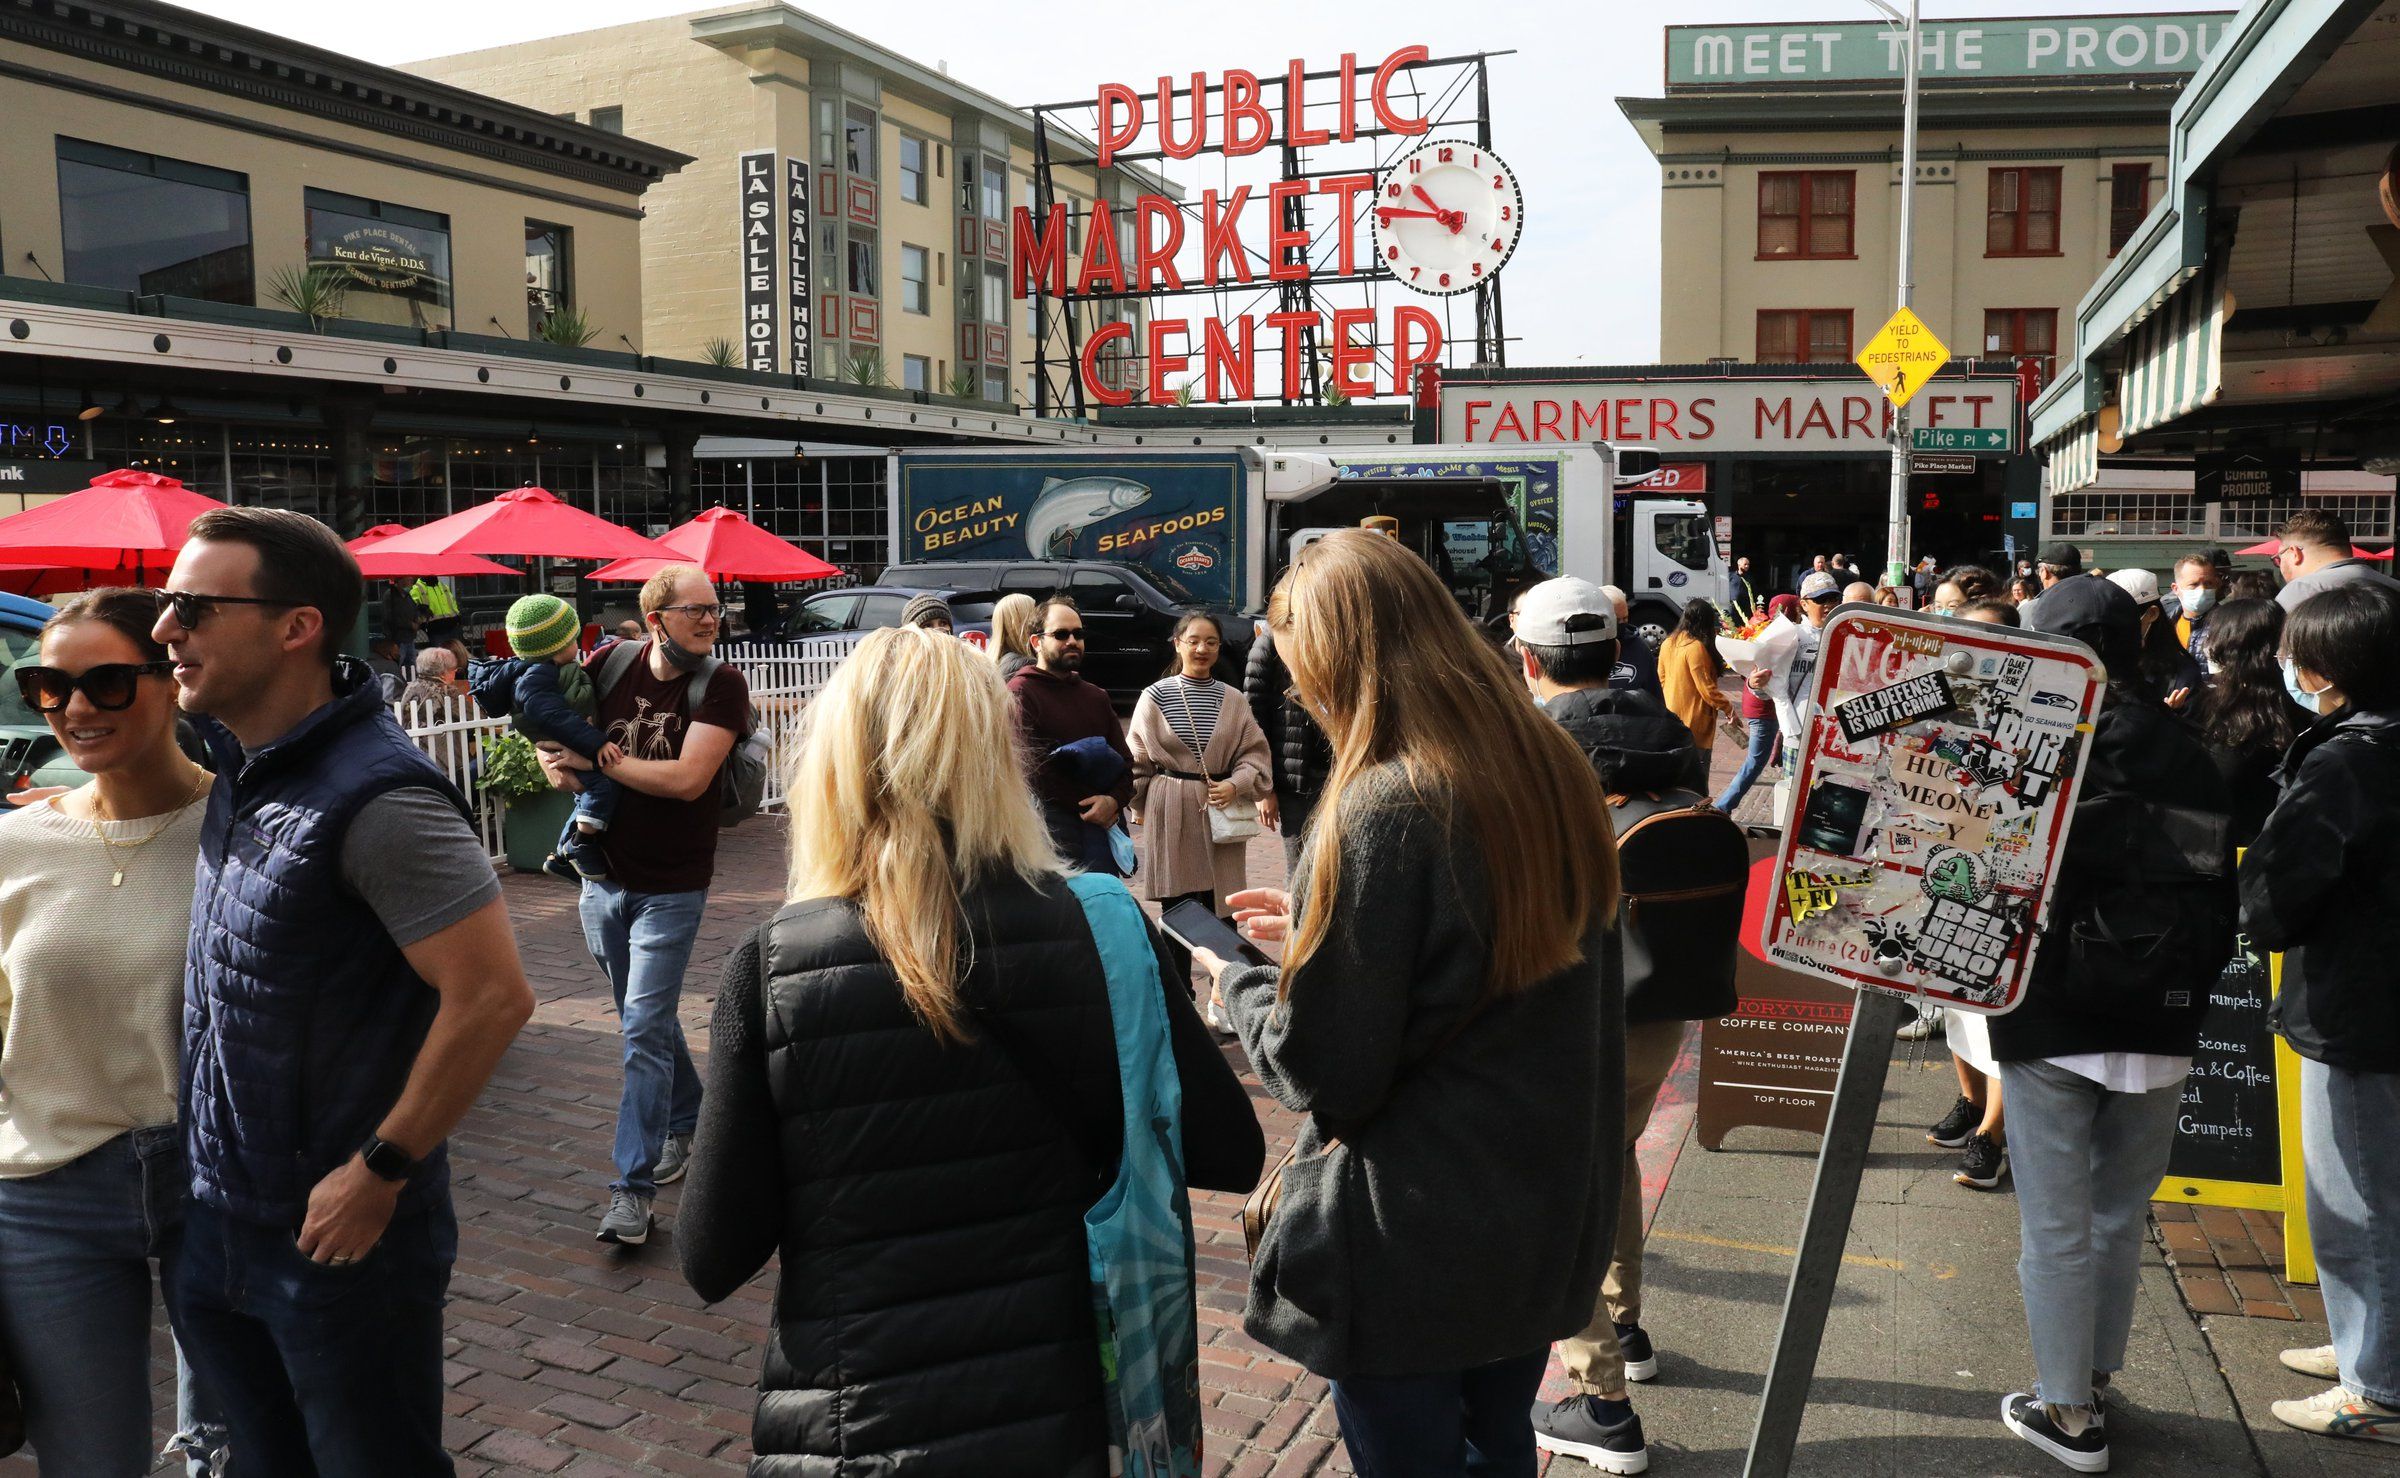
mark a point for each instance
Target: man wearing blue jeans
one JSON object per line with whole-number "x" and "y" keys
{"x": 350, "y": 984}
{"x": 675, "y": 711}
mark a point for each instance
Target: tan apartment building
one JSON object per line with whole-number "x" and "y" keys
{"x": 913, "y": 178}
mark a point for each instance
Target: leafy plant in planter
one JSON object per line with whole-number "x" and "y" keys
{"x": 721, "y": 354}
{"x": 865, "y": 370}
{"x": 568, "y": 328}
{"x": 511, "y": 770}
{"x": 315, "y": 293}
{"x": 965, "y": 385}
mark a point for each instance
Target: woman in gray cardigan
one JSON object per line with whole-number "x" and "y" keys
{"x": 1451, "y": 1028}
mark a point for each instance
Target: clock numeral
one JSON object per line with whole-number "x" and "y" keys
{"x": 1445, "y": 279}
{"x": 1476, "y": 160}
{"x": 1415, "y": 272}
{"x": 1391, "y": 254}
{"x": 1507, "y": 212}
{"x": 1499, "y": 182}
{"x": 1499, "y": 245}
{"x": 1478, "y": 267}
{"x": 1448, "y": 154}
{"x": 1416, "y": 166}
{"x": 1394, "y": 192}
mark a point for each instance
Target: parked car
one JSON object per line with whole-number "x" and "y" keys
{"x": 29, "y": 754}
{"x": 1129, "y": 611}
{"x": 850, "y": 614}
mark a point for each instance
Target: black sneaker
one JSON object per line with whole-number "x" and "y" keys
{"x": 1641, "y": 1361}
{"x": 1984, "y": 1163}
{"x": 585, "y": 857}
{"x": 1956, "y": 1125}
{"x": 2086, "y": 1452}
{"x": 560, "y": 868}
{"x": 1605, "y": 1434}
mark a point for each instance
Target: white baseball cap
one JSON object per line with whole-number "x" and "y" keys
{"x": 1542, "y": 614}
{"x": 1818, "y": 585}
{"x": 2140, "y": 584}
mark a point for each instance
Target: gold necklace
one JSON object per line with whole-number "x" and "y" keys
{"x": 116, "y": 877}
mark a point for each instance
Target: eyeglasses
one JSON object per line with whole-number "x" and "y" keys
{"x": 699, "y": 613}
{"x": 1074, "y": 633}
{"x": 111, "y": 685}
{"x": 191, "y": 610}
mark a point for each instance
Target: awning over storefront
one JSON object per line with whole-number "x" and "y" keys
{"x": 2075, "y": 456}
{"x": 2174, "y": 360}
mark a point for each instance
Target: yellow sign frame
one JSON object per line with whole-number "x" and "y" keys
{"x": 1902, "y": 356}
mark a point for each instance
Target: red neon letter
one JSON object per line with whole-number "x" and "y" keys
{"x": 1379, "y": 94}
{"x": 1295, "y": 349}
{"x": 1100, "y": 265}
{"x": 1221, "y": 360}
{"x": 1161, "y": 361}
{"x": 1156, "y": 255}
{"x": 1296, "y": 131}
{"x": 1170, "y": 145}
{"x": 1349, "y": 355}
{"x": 1112, "y": 138}
{"x": 1472, "y": 407}
{"x": 1347, "y": 129}
{"x": 1408, "y": 321}
{"x": 1042, "y": 254}
{"x": 1345, "y": 188}
{"x": 1220, "y": 236}
{"x": 1289, "y": 231}
{"x": 1241, "y": 103}
{"x": 1092, "y": 385}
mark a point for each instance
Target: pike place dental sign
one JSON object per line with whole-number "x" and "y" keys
{"x": 1869, "y": 51}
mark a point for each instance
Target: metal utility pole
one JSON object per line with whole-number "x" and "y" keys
{"x": 1896, "y": 549}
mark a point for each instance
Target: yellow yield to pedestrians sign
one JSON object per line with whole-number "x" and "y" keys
{"x": 1902, "y": 356}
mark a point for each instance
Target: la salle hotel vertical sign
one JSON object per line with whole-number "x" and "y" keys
{"x": 795, "y": 276}
{"x": 762, "y": 242}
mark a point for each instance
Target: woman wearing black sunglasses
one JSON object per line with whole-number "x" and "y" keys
{"x": 95, "y": 903}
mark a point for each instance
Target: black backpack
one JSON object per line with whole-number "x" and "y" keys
{"x": 2151, "y": 921}
{"x": 1685, "y": 866}
{"x": 742, "y": 777}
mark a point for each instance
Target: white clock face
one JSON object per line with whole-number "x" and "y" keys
{"x": 1446, "y": 217}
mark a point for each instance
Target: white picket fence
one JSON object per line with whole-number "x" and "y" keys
{"x": 783, "y": 676}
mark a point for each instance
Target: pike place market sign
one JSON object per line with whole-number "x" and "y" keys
{"x": 1869, "y": 51}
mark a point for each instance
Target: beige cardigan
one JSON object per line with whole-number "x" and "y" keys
{"x": 1177, "y": 856}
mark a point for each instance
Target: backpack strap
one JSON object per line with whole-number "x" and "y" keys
{"x": 615, "y": 665}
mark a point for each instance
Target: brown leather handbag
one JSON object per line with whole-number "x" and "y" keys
{"x": 1259, "y": 1207}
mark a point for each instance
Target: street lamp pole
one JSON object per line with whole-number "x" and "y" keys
{"x": 1896, "y": 549}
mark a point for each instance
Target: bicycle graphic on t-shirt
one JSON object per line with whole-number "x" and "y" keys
{"x": 645, "y": 735}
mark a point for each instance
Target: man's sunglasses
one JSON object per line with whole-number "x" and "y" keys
{"x": 111, "y": 685}
{"x": 1075, "y": 635}
{"x": 191, "y": 610}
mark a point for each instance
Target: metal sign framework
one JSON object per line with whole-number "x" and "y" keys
{"x": 1452, "y": 93}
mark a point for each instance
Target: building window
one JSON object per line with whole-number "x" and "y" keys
{"x": 861, "y": 276}
{"x": 995, "y": 296}
{"x": 914, "y": 294}
{"x": 2022, "y": 331}
{"x": 547, "y": 287}
{"x": 142, "y": 224}
{"x": 394, "y": 260}
{"x": 2128, "y": 202}
{"x": 995, "y": 189}
{"x": 2021, "y": 219}
{"x": 966, "y": 184}
{"x": 912, "y": 169}
{"x": 858, "y": 140}
{"x": 916, "y": 372}
{"x": 609, "y": 120}
{"x": 995, "y": 385}
{"x": 825, "y": 133}
{"x": 1804, "y": 336}
{"x": 1804, "y": 214}
{"x": 1076, "y": 211}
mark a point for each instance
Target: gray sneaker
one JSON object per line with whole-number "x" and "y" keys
{"x": 628, "y": 1221}
{"x": 674, "y": 1158}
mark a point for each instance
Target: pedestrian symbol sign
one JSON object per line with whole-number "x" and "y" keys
{"x": 1902, "y": 356}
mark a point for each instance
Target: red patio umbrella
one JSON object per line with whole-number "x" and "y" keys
{"x": 125, "y": 528}
{"x": 726, "y": 546}
{"x": 375, "y": 564}
{"x": 2275, "y": 546}
{"x": 529, "y": 521}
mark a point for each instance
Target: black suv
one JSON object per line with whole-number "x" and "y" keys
{"x": 1129, "y": 612}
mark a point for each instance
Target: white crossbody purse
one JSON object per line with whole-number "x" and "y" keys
{"x": 1235, "y": 821}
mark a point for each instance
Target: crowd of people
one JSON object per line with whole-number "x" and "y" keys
{"x": 946, "y": 1065}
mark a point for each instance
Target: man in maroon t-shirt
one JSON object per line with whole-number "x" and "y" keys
{"x": 1055, "y": 707}
{"x": 640, "y": 920}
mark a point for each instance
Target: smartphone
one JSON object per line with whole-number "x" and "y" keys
{"x": 1193, "y": 926}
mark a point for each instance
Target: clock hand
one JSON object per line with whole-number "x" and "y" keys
{"x": 1456, "y": 220}
{"x": 1388, "y": 212}
{"x": 1421, "y": 195}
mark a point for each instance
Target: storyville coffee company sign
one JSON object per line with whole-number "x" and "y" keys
{"x": 1685, "y": 417}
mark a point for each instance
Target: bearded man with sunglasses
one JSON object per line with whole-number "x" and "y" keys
{"x": 350, "y": 983}
{"x": 1057, "y": 713}
{"x": 675, "y": 711}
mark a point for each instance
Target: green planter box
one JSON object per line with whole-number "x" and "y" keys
{"x": 531, "y": 824}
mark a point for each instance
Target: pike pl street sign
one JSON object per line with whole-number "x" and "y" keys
{"x": 1902, "y": 356}
{"x": 1959, "y": 438}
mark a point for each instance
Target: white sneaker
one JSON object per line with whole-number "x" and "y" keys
{"x": 2341, "y": 1413}
{"x": 2318, "y": 1363}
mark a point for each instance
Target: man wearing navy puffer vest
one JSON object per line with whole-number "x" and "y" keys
{"x": 350, "y": 984}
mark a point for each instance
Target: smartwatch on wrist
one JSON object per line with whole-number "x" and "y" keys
{"x": 387, "y": 1160}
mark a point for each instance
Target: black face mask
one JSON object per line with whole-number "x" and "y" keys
{"x": 677, "y": 657}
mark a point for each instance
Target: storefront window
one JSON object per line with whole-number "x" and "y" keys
{"x": 546, "y": 261}
{"x": 394, "y": 260}
{"x": 143, "y": 224}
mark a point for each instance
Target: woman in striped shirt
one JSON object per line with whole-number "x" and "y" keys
{"x": 1195, "y": 745}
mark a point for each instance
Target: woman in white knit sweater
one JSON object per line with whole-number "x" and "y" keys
{"x": 95, "y": 904}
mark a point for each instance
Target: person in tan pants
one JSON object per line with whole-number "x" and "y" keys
{"x": 1598, "y": 1360}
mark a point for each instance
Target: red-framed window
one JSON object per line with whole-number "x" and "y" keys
{"x": 2128, "y": 202}
{"x": 1804, "y": 214}
{"x": 2021, "y": 219}
{"x": 1804, "y": 336}
{"x": 2018, "y": 332}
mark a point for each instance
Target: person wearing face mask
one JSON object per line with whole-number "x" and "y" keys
{"x": 1787, "y": 662}
{"x": 2244, "y": 715}
{"x": 2321, "y": 883}
{"x": 2166, "y": 668}
{"x": 2197, "y": 590}
{"x": 1962, "y": 586}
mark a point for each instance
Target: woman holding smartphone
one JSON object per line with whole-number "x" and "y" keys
{"x": 95, "y": 907}
{"x": 1448, "y": 1014}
